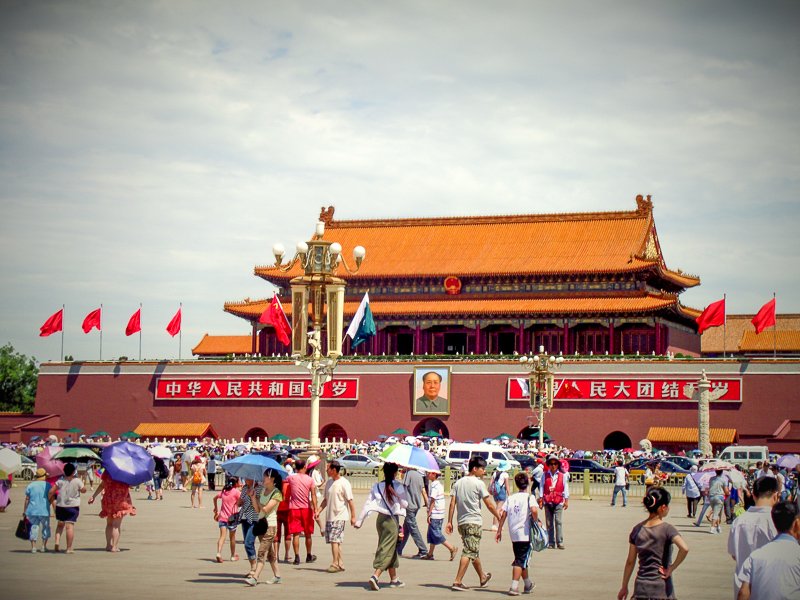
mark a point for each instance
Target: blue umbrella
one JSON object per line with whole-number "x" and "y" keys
{"x": 127, "y": 463}
{"x": 252, "y": 466}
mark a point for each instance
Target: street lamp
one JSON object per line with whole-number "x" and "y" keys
{"x": 320, "y": 287}
{"x": 541, "y": 380}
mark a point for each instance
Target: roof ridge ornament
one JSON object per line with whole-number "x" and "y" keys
{"x": 643, "y": 205}
{"x": 326, "y": 214}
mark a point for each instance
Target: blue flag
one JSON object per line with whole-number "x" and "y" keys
{"x": 362, "y": 327}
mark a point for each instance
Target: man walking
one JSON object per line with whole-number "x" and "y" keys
{"x": 754, "y": 528}
{"x": 417, "y": 498}
{"x": 337, "y": 503}
{"x": 302, "y": 507}
{"x": 555, "y": 500}
{"x": 773, "y": 571}
{"x": 467, "y": 494}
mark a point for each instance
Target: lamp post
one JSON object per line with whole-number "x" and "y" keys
{"x": 541, "y": 380}
{"x": 319, "y": 287}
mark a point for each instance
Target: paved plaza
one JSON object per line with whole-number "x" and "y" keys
{"x": 168, "y": 552}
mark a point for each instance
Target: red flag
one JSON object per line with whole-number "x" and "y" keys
{"x": 765, "y": 316}
{"x": 174, "y": 326}
{"x": 713, "y": 316}
{"x": 91, "y": 321}
{"x": 135, "y": 323}
{"x": 53, "y": 324}
{"x": 275, "y": 316}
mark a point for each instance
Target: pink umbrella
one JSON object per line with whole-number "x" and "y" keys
{"x": 45, "y": 460}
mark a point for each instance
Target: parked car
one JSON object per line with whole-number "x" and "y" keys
{"x": 684, "y": 462}
{"x": 359, "y": 463}
{"x": 637, "y": 467}
{"x": 459, "y": 453}
{"x": 28, "y": 469}
{"x": 525, "y": 461}
{"x": 581, "y": 464}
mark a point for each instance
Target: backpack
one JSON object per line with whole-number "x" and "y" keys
{"x": 498, "y": 492}
{"x": 197, "y": 477}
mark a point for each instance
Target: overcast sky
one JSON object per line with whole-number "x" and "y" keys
{"x": 154, "y": 151}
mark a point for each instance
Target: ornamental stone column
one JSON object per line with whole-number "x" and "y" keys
{"x": 702, "y": 394}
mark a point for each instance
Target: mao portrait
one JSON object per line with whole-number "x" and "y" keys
{"x": 431, "y": 391}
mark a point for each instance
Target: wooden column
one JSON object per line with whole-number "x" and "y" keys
{"x": 521, "y": 340}
{"x": 418, "y": 340}
{"x": 254, "y": 341}
{"x": 478, "y": 345}
{"x": 567, "y": 349}
{"x": 659, "y": 349}
{"x": 611, "y": 336}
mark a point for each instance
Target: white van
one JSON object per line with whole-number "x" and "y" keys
{"x": 745, "y": 456}
{"x": 458, "y": 454}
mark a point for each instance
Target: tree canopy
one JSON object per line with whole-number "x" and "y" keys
{"x": 18, "y": 378}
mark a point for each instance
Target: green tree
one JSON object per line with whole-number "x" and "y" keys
{"x": 18, "y": 377}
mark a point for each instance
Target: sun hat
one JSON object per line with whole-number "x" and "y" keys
{"x": 552, "y": 458}
{"x": 504, "y": 466}
{"x": 313, "y": 461}
{"x": 40, "y": 474}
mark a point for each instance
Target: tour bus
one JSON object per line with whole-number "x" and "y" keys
{"x": 745, "y": 456}
{"x": 458, "y": 454}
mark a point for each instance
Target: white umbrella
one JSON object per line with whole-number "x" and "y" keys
{"x": 737, "y": 479}
{"x": 189, "y": 455}
{"x": 10, "y": 462}
{"x": 160, "y": 452}
{"x": 713, "y": 465}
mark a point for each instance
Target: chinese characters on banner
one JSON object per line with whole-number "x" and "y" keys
{"x": 252, "y": 388}
{"x": 616, "y": 389}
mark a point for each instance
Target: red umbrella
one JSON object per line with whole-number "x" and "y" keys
{"x": 45, "y": 460}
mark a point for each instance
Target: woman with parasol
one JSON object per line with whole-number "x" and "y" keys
{"x": 116, "y": 503}
{"x": 388, "y": 499}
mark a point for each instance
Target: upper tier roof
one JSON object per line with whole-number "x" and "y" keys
{"x": 544, "y": 244}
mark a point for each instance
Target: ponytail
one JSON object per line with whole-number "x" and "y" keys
{"x": 389, "y": 472}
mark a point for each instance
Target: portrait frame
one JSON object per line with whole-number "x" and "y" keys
{"x": 424, "y": 406}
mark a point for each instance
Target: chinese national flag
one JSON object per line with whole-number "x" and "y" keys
{"x": 53, "y": 324}
{"x": 765, "y": 317}
{"x": 275, "y": 316}
{"x": 713, "y": 316}
{"x": 174, "y": 326}
{"x": 135, "y": 323}
{"x": 91, "y": 321}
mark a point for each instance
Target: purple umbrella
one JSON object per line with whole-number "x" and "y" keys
{"x": 128, "y": 463}
{"x": 788, "y": 461}
{"x": 45, "y": 460}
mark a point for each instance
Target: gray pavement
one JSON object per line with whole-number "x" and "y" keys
{"x": 168, "y": 551}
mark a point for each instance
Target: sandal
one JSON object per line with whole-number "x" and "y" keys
{"x": 485, "y": 581}
{"x": 332, "y": 569}
{"x": 453, "y": 553}
{"x": 427, "y": 557}
{"x": 218, "y": 558}
{"x": 234, "y": 558}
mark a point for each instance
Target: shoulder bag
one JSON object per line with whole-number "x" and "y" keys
{"x": 539, "y": 537}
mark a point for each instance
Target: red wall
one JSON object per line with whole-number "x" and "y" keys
{"x": 116, "y": 398}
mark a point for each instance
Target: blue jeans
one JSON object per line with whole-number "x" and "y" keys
{"x": 249, "y": 540}
{"x": 617, "y": 490}
{"x": 411, "y": 527}
{"x": 706, "y": 506}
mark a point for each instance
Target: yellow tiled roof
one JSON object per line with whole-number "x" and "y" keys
{"x": 178, "y": 430}
{"x": 689, "y": 435}
{"x": 735, "y": 328}
{"x": 782, "y": 341}
{"x": 214, "y": 345}
{"x": 541, "y": 244}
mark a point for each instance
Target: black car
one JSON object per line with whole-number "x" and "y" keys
{"x": 525, "y": 461}
{"x": 579, "y": 465}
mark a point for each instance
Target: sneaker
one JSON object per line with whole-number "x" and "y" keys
{"x": 420, "y": 555}
{"x": 33, "y": 550}
{"x": 373, "y": 583}
{"x": 562, "y": 547}
{"x": 485, "y": 582}
{"x": 396, "y": 584}
{"x": 459, "y": 587}
{"x": 273, "y": 581}
{"x": 311, "y": 558}
{"x": 251, "y": 581}
{"x": 529, "y": 588}
{"x": 513, "y": 592}
{"x": 296, "y": 560}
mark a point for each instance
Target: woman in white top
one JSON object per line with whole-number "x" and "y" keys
{"x": 388, "y": 499}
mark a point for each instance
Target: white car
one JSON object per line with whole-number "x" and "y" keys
{"x": 359, "y": 463}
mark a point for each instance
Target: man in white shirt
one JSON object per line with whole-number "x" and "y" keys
{"x": 773, "y": 571}
{"x": 754, "y": 528}
{"x": 337, "y": 502}
{"x": 620, "y": 484}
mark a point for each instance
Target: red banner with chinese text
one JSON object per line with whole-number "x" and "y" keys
{"x": 626, "y": 389}
{"x": 251, "y": 388}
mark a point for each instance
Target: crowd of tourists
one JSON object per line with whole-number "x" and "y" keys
{"x": 278, "y": 514}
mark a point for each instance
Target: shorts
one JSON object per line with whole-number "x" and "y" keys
{"x": 435, "y": 535}
{"x": 334, "y": 532}
{"x": 266, "y": 550}
{"x": 227, "y": 526}
{"x": 522, "y": 554}
{"x": 471, "y": 539}
{"x": 197, "y": 486}
{"x": 67, "y": 514}
{"x": 301, "y": 520}
{"x": 283, "y": 524}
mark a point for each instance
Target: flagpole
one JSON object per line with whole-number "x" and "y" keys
{"x": 724, "y": 326}
{"x": 180, "y": 331}
{"x": 101, "y": 332}
{"x": 774, "y": 329}
{"x": 63, "y": 307}
{"x": 140, "y": 332}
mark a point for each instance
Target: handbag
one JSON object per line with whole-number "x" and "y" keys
{"x": 539, "y": 537}
{"x": 235, "y": 519}
{"x": 260, "y": 528}
{"x": 23, "y": 529}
